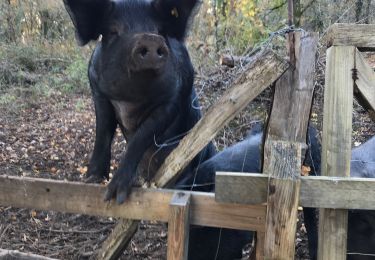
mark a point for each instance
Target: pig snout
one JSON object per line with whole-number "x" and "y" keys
{"x": 149, "y": 53}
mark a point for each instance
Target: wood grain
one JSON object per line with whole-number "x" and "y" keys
{"x": 282, "y": 202}
{"x": 336, "y": 144}
{"x": 288, "y": 122}
{"x": 316, "y": 192}
{"x": 178, "y": 226}
{"x": 294, "y": 92}
{"x": 146, "y": 204}
{"x": 358, "y": 35}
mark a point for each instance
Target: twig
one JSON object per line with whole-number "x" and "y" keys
{"x": 77, "y": 231}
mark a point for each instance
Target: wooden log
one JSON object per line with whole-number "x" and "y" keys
{"x": 283, "y": 196}
{"x": 358, "y": 35}
{"x": 364, "y": 84}
{"x": 178, "y": 227}
{"x": 336, "y": 145}
{"x": 231, "y": 61}
{"x": 316, "y": 191}
{"x": 262, "y": 72}
{"x": 17, "y": 255}
{"x": 147, "y": 204}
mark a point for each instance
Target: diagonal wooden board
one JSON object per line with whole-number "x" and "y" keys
{"x": 263, "y": 71}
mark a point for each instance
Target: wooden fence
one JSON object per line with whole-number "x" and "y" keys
{"x": 266, "y": 203}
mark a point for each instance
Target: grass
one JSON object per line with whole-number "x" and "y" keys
{"x": 31, "y": 72}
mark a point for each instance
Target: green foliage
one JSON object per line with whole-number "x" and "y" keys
{"x": 75, "y": 77}
{"x": 239, "y": 25}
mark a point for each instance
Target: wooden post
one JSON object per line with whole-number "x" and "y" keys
{"x": 283, "y": 196}
{"x": 288, "y": 122}
{"x": 178, "y": 226}
{"x": 336, "y": 145}
{"x": 294, "y": 92}
{"x": 259, "y": 250}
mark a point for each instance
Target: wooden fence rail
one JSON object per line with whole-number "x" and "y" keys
{"x": 146, "y": 204}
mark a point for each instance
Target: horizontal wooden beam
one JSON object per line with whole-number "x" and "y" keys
{"x": 146, "y": 204}
{"x": 358, "y": 35}
{"x": 316, "y": 192}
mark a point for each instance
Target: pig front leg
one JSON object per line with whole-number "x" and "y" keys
{"x": 105, "y": 128}
{"x": 154, "y": 125}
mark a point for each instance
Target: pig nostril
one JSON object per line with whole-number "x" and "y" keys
{"x": 160, "y": 52}
{"x": 143, "y": 52}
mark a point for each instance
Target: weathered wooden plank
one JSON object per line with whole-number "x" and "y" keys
{"x": 178, "y": 227}
{"x": 283, "y": 195}
{"x": 336, "y": 144}
{"x": 365, "y": 84}
{"x": 243, "y": 188}
{"x": 259, "y": 251}
{"x": 288, "y": 122}
{"x": 294, "y": 92}
{"x": 258, "y": 75}
{"x": 359, "y": 35}
{"x": 316, "y": 191}
{"x": 147, "y": 204}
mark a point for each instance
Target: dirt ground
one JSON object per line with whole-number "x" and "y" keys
{"x": 53, "y": 138}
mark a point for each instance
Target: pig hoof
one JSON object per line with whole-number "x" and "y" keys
{"x": 118, "y": 188}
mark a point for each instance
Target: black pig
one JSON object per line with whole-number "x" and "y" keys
{"x": 141, "y": 79}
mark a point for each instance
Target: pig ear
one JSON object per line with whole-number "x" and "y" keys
{"x": 87, "y": 17}
{"x": 175, "y": 15}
